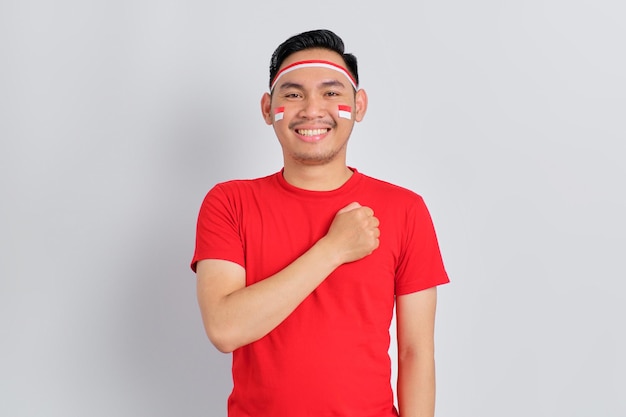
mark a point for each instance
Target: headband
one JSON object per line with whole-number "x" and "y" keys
{"x": 312, "y": 64}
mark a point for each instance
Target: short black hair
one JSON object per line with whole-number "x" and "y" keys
{"x": 320, "y": 38}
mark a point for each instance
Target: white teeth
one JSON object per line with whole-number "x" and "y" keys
{"x": 312, "y": 132}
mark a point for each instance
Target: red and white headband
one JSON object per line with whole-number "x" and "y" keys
{"x": 314, "y": 63}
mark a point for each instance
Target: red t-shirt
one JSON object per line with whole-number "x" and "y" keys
{"x": 330, "y": 356}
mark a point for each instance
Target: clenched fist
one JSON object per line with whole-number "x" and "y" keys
{"x": 354, "y": 232}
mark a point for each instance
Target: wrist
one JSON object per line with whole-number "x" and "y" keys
{"x": 328, "y": 253}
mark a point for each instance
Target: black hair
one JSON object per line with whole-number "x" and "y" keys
{"x": 320, "y": 38}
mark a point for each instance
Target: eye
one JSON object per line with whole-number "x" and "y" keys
{"x": 292, "y": 95}
{"x": 332, "y": 94}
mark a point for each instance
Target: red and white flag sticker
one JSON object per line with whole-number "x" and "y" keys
{"x": 345, "y": 111}
{"x": 279, "y": 112}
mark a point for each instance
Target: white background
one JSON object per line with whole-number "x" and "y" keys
{"x": 116, "y": 117}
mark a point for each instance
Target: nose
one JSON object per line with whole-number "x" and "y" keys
{"x": 313, "y": 108}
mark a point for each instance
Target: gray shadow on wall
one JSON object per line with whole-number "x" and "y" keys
{"x": 168, "y": 359}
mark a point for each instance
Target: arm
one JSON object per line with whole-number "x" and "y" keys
{"x": 235, "y": 314}
{"x": 415, "y": 319}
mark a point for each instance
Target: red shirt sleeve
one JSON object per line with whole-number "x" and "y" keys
{"x": 420, "y": 264}
{"x": 218, "y": 234}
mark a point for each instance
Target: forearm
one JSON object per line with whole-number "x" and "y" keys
{"x": 416, "y": 385}
{"x": 251, "y": 312}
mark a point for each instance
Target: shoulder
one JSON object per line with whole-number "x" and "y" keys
{"x": 235, "y": 184}
{"x": 390, "y": 190}
{"x": 242, "y": 186}
{"x": 394, "y": 202}
{"x": 235, "y": 194}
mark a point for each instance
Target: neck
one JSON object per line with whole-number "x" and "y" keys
{"x": 317, "y": 177}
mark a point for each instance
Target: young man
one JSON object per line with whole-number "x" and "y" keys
{"x": 298, "y": 271}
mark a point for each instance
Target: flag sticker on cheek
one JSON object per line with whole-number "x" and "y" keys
{"x": 279, "y": 112}
{"x": 345, "y": 111}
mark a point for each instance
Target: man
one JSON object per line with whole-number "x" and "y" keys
{"x": 297, "y": 272}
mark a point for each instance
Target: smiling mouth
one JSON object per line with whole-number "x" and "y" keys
{"x": 312, "y": 132}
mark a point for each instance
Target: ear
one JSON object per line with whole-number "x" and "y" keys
{"x": 266, "y": 108}
{"x": 361, "y": 105}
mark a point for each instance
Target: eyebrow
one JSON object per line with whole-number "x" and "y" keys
{"x": 324, "y": 84}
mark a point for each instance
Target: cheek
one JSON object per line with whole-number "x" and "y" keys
{"x": 282, "y": 112}
{"x": 344, "y": 111}
{"x": 278, "y": 113}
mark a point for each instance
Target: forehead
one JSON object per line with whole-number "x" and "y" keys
{"x": 310, "y": 54}
{"x": 300, "y": 67}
